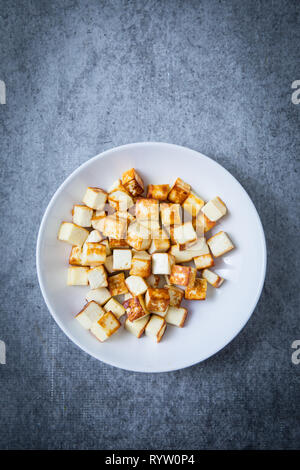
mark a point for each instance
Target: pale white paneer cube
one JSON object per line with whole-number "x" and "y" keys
{"x": 114, "y": 227}
{"x": 170, "y": 214}
{"x": 106, "y": 326}
{"x": 93, "y": 254}
{"x": 181, "y": 256}
{"x": 122, "y": 259}
{"x": 184, "y": 233}
{"x": 138, "y": 237}
{"x": 73, "y": 234}
{"x": 155, "y": 328}
{"x": 193, "y": 204}
{"x": 100, "y": 295}
{"x": 136, "y": 285}
{"x": 161, "y": 242}
{"x": 117, "y": 186}
{"x": 176, "y": 316}
{"x": 97, "y": 277}
{"x": 109, "y": 264}
{"x": 120, "y": 200}
{"x": 212, "y": 278}
{"x": 95, "y": 198}
{"x": 220, "y": 244}
{"x": 98, "y": 220}
{"x": 199, "y": 248}
{"x": 214, "y": 209}
{"x": 115, "y": 307}
{"x": 147, "y": 212}
{"x": 77, "y": 276}
{"x": 162, "y": 263}
{"x": 90, "y": 314}
{"x": 94, "y": 237}
{"x": 82, "y": 215}
{"x": 137, "y": 327}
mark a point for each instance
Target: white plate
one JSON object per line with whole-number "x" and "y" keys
{"x": 211, "y": 324}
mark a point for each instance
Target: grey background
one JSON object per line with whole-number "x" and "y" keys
{"x": 82, "y": 77}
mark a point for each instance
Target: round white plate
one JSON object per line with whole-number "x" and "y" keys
{"x": 211, "y": 324}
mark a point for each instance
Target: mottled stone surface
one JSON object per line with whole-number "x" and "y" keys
{"x": 84, "y": 76}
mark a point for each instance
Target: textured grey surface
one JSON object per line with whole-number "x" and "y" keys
{"x": 85, "y": 76}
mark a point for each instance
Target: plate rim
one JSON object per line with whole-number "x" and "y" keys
{"x": 42, "y": 227}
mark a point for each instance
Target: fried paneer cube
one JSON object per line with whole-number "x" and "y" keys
{"x": 162, "y": 263}
{"x": 114, "y": 227}
{"x": 204, "y": 261}
{"x": 95, "y": 198}
{"x": 179, "y": 191}
{"x": 212, "y": 278}
{"x": 77, "y": 276}
{"x": 197, "y": 291}
{"x": 135, "y": 308}
{"x": 137, "y": 327}
{"x": 136, "y": 285}
{"x": 202, "y": 224}
{"x": 94, "y": 237}
{"x": 158, "y": 191}
{"x": 171, "y": 214}
{"x": 82, "y": 215}
{"x": 220, "y": 244}
{"x": 91, "y": 313}
{"x": 193, "y": 204}
{"x": 138, "y": 237}
{"x": 155, "y": 328}
{"x": 181, "y": 275}
{"x": 97, "y": 277}
{"x": 117, "y": 285}
{"x": 185, "y": 233}
{"x": 115, "y": 307}
{"x": 132, "y": 182}
{"x": 147, "y": 213}
{"x": 100, "y": 295}
{"x": 106, "y": 326}
{"x": 76, "y": 256}
{"x": 141, "y": 264}
{"x": 73, "y": 234}
{"x": 176, "y": 295}
{"x": 93, "y": 254}
{"x": 157, "y": 300}
{"x": 154, "y": 280}
{"x": 214, "y": 209}
{"x": 122, "y": 259}
{"x": 98, "y": 220}
{"x": 181, "y": 256}
{"x": 176, "y": 316}
{"x": 160, "y": 243}
{"x": 120, "y": 201}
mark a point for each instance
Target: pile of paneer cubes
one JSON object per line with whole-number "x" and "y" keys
{"x": 135, "y": 251}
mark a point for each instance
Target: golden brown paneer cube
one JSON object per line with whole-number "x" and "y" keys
{"x": 132, "y": 182}
{"x": 114, "y": 243}
{"x": 116, "y": 284}
{"x": 197, "y": 291}
{"x": 170, "y": 214}
{"x": 138, "y": 237}
{"x": 93, "y": 254}
{"x": 176, "y": 295}
{"x": 202, "y": 224}
{"x": 193, "y": 204}
{"x": 75, "y": 255}
{"x": 157, "y": 300}
{"x": 106, "y": 326}
{"x": 95, "y": 198}
{"x": 179, "y": 191}
{"x": 181, "y": 275}
{"x": 114, "y": 227}
{"x": 147, "y": 213}
{"x": 212, "y": 278}
{"x": 154, "y": 280}
{"x": 204, "y": 261}
{"x": 158, "y": 191}
{"x": 155, "y": 328}
{"x": 141, "y": 264}
{"x": 135, "y": 308}
{"x": 98, "y": 220}
{"x": 137, "y": 327}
